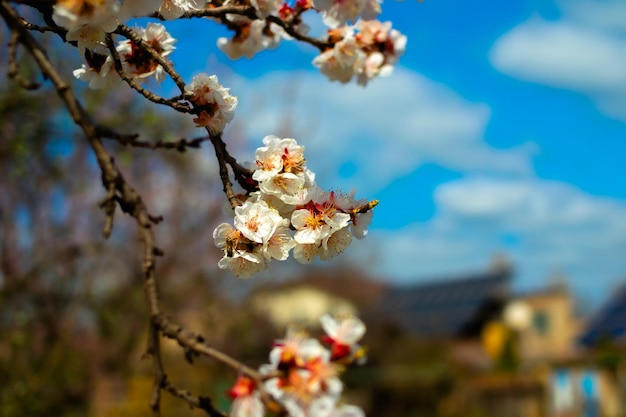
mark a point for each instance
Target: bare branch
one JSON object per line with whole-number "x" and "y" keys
{"x": 181, "y": 107}
{"x": 291, "y": 30}
{"x": 13, "y": 70}
{"x": 167, "y": 65}
{"x": 249, "y": 12}
{"x": 154, "y": 349}
{"x": 196, "y": 343}
{"x": 180, "y": 145}
{"x": 220, "y": 153}
{"x": 108, "y": 205}
{"x": 203, "y": 403}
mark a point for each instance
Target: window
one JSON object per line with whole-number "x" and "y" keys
{"x": 541, "y": 322}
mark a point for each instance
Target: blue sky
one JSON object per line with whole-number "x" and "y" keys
{"x": 503, "y": 130}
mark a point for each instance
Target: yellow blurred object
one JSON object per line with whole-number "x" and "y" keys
{"x": 494, "y": 337}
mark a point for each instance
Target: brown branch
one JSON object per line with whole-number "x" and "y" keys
{"x": 242, "y": 174}
{"x": 188, "y": 339}
{"x": 222, "y": 11}
{"x": 154, "y": 349}
{"x": 181, "y": 107}
{"x": 250, "y": 12}
{"x": 13, "y": 70}
{"x": 290, "y": 28}
{"x": 44, "y": 29}
{"x": 220, "y": 153}
{"x": 167, "y": 65}
{"x": 203, "y": 403}
{"x": 108, "y": 205}
{"x": 180, "y": 145}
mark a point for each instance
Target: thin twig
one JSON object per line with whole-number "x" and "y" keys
{"x": 44, "y": 29}
{"x": 196, "y": 343}
{"x": 108, "y": 205}
{"x": 167, "y": 65}
{"x": 220, "y": 153}
{"x": 322, "y": 45}
{"x": 250, "y": 12}
{"x": 180, "y": 145}
{"x": 13, "y": 70}
{"x": 154, "y": 348}
{"x": 117, "y": 63}
{"x": 203, "y": 403}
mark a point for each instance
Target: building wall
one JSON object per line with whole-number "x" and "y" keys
{"x": 553, "y": 327}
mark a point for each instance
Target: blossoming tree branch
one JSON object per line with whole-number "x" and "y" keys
{"x": 277, "y": 207}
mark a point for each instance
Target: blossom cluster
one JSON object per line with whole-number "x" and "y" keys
{"x": 289, "y": 211}
{"x": 214, "y": 104}
{"x": 366, "y": 50}
{"x": 302, "y": 377}
{"x": 89, "y": 21}
{"x": 99, "y": 69}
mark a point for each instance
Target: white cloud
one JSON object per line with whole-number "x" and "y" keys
{"x": 385, "y": 130}
{"x": 584, "y": 52}
{"x": 562, "y": 55}
{"x": 556, "y": 227}
{"x": 604, "y": 15}
{"x": 520, "y": 205}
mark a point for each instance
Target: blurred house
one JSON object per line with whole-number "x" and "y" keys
{"x": 551, "y": 369}
{"x": 302, "y": 305}
{"x": 609, "y": 324}
{"x": 465, "y": 345}
{"x": 552, "y": 327}
{"x": 449, "y": 309}
{"x": 509, "y": 354}
{"x": 604, "y": 339}
{"x": 339, "y": 292}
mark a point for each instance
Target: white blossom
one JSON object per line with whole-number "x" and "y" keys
{"x": 288, "y": 187}
{"x": 347, "y": 331}
{"x": 343, "y": 336}
{"x": 216, "y": 103}
{"x": 343, "y": 61}
{"x": 347, "y": 411}
{"x": 243, "y": 264}
{"x": 99, "y": 14}
{"x": 256, "y": 220}
{"x": 88, "y": 37}
{"x": 251, "y": 38}
{"x": 265, "y": 8}
{"x": 246, "y": 399}
{"x": 385, "y": 44}
{"x": 137, "y": 8}
{"x": 310, "y": 227}
{"x": 173, "y": 9}
{"x": 139, "y": 64}
{"x": 337, "y": 12}
{"x": 360, "y": 223}
{"x": 335, "y": 244}
{"x": 247, "y": 406}
{"x": 280, "y": 242}
{"x": 306, "y": 253}
{"x": 99, "y": 73}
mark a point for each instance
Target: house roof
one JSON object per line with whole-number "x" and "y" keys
{"x": 450, "y": 308}
{"x": 610, "y": 321}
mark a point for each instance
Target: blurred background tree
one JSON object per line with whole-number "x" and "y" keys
{"x": 72, "y": 310}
